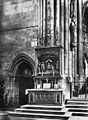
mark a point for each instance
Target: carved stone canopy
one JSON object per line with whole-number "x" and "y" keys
{"x": 48, "y": 51}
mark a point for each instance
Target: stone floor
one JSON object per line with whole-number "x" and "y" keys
{"x": 3, "y": 116}
{"x": 72, "y": 118}
{"x": 78, "y": 118}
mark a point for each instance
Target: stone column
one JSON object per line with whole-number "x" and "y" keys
{"x": 73, "y": 35}
{"x": 47, "y": 23}
{"x": 80, "y": 39}
{"x": 73, "y": 65}
{"x": 69, "y": 52}
{"x": 52, "y": 22}
{"x": 66, "y": 19}
{"x": 69, "y": 56}
{"x": 43, "y": 19}
{"x": 58, "y": 15}
{"x": 75, "y": 40}
{"x": 57, "y": 29}
{"x": 62, "y": 36}
{"x": 70, "y": 64}
{"x": 41, "y": 22}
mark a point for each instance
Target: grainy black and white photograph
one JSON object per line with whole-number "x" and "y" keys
{"x": 43, "y": 59}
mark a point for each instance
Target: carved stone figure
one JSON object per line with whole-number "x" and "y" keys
{"x": 73, "y": 21}
{"x": 39, "y": 68}
{"x": 72, "y": 33}
{"x": 57, "y": 66}
{"x": 72, "y": 27}
{"x": 49, "y": 66}
{"x": 42, "y": 67}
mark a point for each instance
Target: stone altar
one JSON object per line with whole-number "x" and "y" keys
{"x": 45, "y": 96}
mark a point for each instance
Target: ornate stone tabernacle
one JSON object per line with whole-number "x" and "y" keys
{"x": 47, "y": 87}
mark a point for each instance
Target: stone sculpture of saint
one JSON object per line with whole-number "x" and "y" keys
{"x": 72, "y": 28}
{"x": 39, "y": 68}
{"x": 49, "y": 66}
{"x": 57, "y": 66}
{"x": 42, "y": 67}
{"x": 72, "y": 33}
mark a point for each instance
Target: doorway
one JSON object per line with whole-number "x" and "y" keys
{"x": 24, "y": 81}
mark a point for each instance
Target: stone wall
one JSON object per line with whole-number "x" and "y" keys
{"x": 18, "y": 29}
{"x": 19, "y": 23}
{"x": 19, "y": 14}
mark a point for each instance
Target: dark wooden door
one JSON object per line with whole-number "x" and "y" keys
{"x": 24, "y": 83}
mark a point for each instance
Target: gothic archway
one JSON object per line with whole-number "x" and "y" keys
{"x": 21, "y": 71}
{"x": 24, "y": 81}
{"x": 18, "y": 60}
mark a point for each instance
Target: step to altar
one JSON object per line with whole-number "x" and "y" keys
{"x": 39, "y": 111}
{"x": 78, "y": 107}
{"x": 44, "y": 107}
{"x": 83, "y": 102}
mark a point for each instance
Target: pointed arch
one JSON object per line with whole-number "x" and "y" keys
{"x": 22, "y": 57}
{"x": 84, "y": 9}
